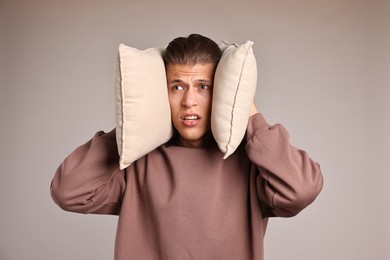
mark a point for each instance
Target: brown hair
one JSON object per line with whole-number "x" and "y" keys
{"x": 191, "y": 50}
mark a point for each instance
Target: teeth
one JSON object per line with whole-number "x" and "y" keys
{"x": 191, "y": 118}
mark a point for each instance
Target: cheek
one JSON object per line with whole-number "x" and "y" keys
{"x": 207, "y": 102}
{"x": 173, "y": 103}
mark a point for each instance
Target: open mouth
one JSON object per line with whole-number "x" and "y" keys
{"x": 191, "y": 118}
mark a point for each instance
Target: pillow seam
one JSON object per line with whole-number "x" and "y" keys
{"x": 234, "y": 102}
{"x": 122, "y": 111}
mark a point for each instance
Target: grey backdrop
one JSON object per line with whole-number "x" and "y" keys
{"x": 323, "y": 73}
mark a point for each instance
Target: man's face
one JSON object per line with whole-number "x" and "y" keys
{"x": 190, "y": 89}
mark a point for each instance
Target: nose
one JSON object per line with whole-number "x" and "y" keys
{"x": 190, "y": 98}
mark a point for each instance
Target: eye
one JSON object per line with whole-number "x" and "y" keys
{"x": 177, "y": 87}
{"x": 203, "y": 86}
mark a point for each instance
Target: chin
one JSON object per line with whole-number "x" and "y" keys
{"x": 195, "y": 139}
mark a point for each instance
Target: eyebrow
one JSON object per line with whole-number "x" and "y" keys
{"x": 197, "y": 80}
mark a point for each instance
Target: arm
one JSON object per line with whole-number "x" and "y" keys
{"x": 89, "y": 179}
{"x": 288, "y": 179}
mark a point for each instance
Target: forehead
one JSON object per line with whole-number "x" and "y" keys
{"x": 196, "y": 71}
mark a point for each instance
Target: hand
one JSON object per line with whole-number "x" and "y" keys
{"x": 253, "y": 109}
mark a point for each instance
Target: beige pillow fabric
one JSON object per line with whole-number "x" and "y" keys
{"x": 234, "y": 91}
{"x": 143, "y": 117}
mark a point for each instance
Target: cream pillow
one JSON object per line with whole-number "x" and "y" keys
{"x": 234, "y": 91}
{"x": 143, "y": 117}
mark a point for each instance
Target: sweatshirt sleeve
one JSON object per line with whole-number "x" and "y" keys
{"x": 288, "y": 179}
{"x": 89, "y": 179}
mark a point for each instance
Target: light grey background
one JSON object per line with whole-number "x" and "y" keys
{"x": 323, "y": 73}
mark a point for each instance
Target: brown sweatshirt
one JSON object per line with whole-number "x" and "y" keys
{"x": 190, "y": 203}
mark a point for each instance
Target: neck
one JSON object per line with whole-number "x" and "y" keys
{"x": 205, "y": 141}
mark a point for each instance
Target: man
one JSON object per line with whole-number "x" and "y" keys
{"x": 183, "y": 200}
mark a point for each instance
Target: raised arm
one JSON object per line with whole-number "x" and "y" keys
{"x": 89, "y": 180}
{"x": 288, "y": 179}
